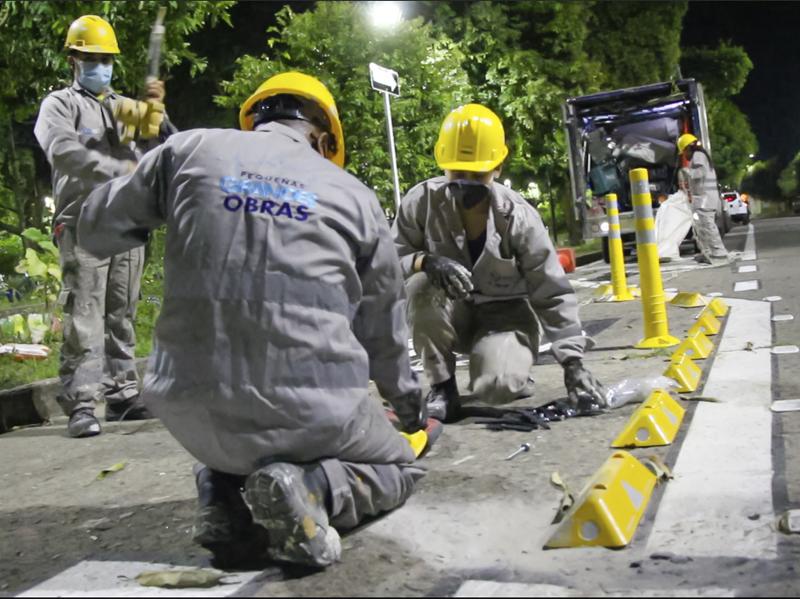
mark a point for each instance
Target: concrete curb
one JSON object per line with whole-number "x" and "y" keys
{"x": 35, "y": 403}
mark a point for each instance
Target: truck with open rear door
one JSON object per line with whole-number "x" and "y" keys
{"x": 610, "y": 133}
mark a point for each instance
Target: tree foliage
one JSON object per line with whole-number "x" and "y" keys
{"x": 732, "y": 141}
{"x": 431, "y": 83}
{"x": 636, "y": 42}
{"x": 789, "y": 178}
{"x": 33, "y": 60}
{"x": 723, "y": 72}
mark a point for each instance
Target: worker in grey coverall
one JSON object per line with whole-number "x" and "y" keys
{"x": 482, "y": 274}
{"x": 704, "y": 196}
{"x": 78, "y": 133}
{"x": 283, "y": 297}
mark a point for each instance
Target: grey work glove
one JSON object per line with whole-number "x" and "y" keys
{"x": 411, "y": 411}
{"x": 579, "y": 381}
{"x": 448, "y": 275}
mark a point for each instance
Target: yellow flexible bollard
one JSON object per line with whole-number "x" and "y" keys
{"x": 619, "y": 284}
{"x": 654, "y": 308}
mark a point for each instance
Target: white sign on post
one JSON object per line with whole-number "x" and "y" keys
{"x": 387, "y": 82}
{"x": 384, "y": 80}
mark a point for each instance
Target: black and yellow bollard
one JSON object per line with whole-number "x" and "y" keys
{"x": 654, "y": 309}
{"x": 620, "y": 292}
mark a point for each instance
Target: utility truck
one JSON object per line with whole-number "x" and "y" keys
{"x": 610, "y": 133}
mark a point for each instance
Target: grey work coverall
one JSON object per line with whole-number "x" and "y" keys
{"x": 705, "y": 198}
{"x": 79, "y": 135}
{"x": 283, "y": 296}
{"x": 498, "y": 325}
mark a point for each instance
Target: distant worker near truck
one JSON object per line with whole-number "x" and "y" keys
{"x": 704, "y": 196}
{"x": 482, "y": 273}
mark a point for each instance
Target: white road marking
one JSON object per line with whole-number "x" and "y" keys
{"x": 714, "y": 294}
{"x": 786, "y": 405}
{"x": 772, "y": 299}
{"x": 477, "y": 588}
{"x": 785, "y": 350}
{"x": 745, "y": 286}
{"x": 748, "y": 268}
{"x": 750, "y": 244}
{"x": 463, "y": 460}
{"x": 721, "y": 480}
{"x": 117, "y": 579}
{"x": 783, "y": 317}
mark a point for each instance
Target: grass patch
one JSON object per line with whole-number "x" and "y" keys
{"x": 14, "y": 373}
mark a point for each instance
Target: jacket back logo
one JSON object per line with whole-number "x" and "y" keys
{"x": 267, "y": 195}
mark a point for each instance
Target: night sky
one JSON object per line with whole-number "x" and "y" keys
{"x": 770, "y": 33}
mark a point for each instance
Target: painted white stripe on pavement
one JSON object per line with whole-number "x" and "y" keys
{"x": 748, "y": 269}
{"x": 750, "y": 244}
{"x": 783, "y": 317}
{"x": 117, "y": 579}
{"x": 745, "y": 286}
{"x": 720, "y": 502}
{"x": 786, "y": 405}
{"x": 785, "y": 350}
{"x": 477, "y": 588}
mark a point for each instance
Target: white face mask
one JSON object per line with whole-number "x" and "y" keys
{"x": 94, "y": 76}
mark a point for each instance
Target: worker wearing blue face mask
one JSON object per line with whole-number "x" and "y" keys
{"x": 481, "y": 274}
{"x": 82, "y": 139}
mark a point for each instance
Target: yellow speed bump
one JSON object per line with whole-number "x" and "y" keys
{"x": 688, "y": 300}
{"x": 706, "y": 323}
{"x": 609, "y": 508}
{"x": 654, "y": 423}
{"x": 718, "y": 307}
{"x": 685, "y": 372}
{"x": 696, "y": 346}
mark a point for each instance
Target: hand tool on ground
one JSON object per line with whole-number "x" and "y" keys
{"x": 523, "y": 448}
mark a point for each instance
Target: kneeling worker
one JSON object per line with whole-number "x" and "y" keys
{"x": 283, "y": 296}
{"x": 480, "y": 269}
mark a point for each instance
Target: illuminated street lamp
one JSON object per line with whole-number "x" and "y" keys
{"x": 385, "y": 15}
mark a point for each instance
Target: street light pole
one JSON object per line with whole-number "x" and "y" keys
{"x": 392, "y": 155}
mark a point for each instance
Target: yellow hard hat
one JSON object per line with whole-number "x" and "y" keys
{"x": 92, "y": 34}
{"x": 305, "y": 86}
{"x": 686, "y": 139}
{"x": 471, "y": 139}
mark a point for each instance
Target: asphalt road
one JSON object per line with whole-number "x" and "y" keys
{"x": 477, "y": 524}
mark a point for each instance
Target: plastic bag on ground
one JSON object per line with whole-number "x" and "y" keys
{"x": 637, "y": 389}
{"x": 673, "y": 220}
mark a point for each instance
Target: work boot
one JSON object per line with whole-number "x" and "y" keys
{"x": 127, "y": 411}
{"x": 83, "y": 423}
{"x": 289, "y": 502}
{"x": 702, "y": 259}
{"x": 223, "y": 524}
{"x": 443, "y": 401}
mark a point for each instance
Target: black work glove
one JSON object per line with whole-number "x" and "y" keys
{"x": 580, "y": 382}
{"x": 411, "y": 411}
{"x": 448, "y": 275}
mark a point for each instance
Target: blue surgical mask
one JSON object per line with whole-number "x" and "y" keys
{"x": 94, "y": 76}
